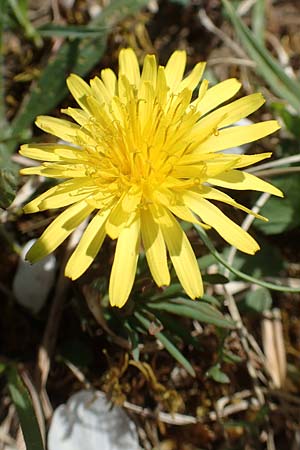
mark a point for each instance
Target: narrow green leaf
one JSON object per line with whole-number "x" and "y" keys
{"x": 26, "y": 414}
{"x": 285, "y": 87}
{"x": 170, "y": 291}
{"x": 20, "y": 10}
{"x": 169, "y": 346}
{"x": 134, "y": 340}
{"x": 258, "y": 20}
{"x": 193, "y": 309}
{"x": 72, "y": 31}
{"x": 230, "y": 357}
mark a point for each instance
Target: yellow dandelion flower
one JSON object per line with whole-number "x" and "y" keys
{"x": 142, "y": 155}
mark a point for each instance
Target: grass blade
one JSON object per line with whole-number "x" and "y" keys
{"x": 169, "y": 346}
{"x": 258, "y": 20}
{"x": 192, "y": 309}
{"x": 26, "y": 414}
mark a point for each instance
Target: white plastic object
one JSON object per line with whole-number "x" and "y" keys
{"x": 32, "y": 282}
{"x": 89, "y": 422}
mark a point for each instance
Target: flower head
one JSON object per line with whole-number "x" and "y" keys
{"x": 142, "y": 155}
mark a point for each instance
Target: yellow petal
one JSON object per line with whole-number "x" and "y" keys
{"x": 214, "y": 167}
{"x": 218, "y": 94}
{"x": 34, "y": 205}
{"x": 248, "y": 160}
{"x": 70, "y": 192}
{"x": 100, "y": 91}
{"x": 181, "y": 254}
{"x": 161, "y": 86}
{"x": 149, "y": 72}
{"x": 193, "y": 79}
{"x": 88, "y": 247}
{"x": 124, "y": 265}
{"x": 79, "y": 89}
{"x": 237, "y": 179}
{"x": 80, "y": 116}
{"x": 64, "y": 194}
{"x": 52, "y": 170}
{"x": 117, "y": 219}
{"x": 59, "y": 230}
{"x": 230, "y": 231}
{"x": 155, "y": 248}
{"x": 58, "y": 127}
{"x": 238, "y": 135}
{"x": 175, "y": 68}
{"x": 241, "y": 108}
{"x": 183, "y": 213}
{"x": 47, "y": 152}
{"x": 214, "y": 194}
{"x": 110, "y": 81}
{"x": 129, "y": 66}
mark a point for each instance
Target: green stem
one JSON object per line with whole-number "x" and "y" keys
{"x": 242, "y": 275}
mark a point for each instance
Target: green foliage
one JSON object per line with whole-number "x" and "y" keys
{"x": 291, "y": 121}
{"x": 26, "y": 414}
{"x": 20, "y": 11}
{"x": 8, "y": 179}
{"x": 167, "y": 343}
{"x": 273, "y": 74}
{"x": 182, "y": 2}
{"x": 166, "y": 316}
{"x": 267, "y": 262}
{"x": 283, "y": 214}
{"x": 258, "y": 20}
{"x": 217, "y": 374}
{"x": 258, "y": 301}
